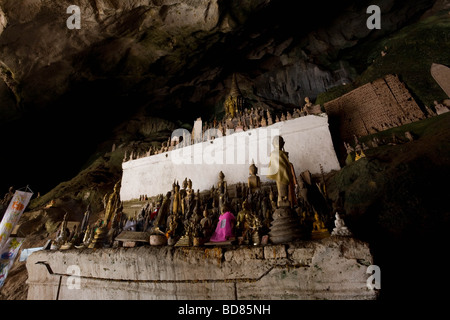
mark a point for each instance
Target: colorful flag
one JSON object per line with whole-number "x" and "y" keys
{"x": 12, "y": 215}
{"x": 7, "y": 256}
{"x": 9, "y": 247}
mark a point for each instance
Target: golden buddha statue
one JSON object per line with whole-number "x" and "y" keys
{"x": 307, "y": 102}
{"x": 163, "y": 213}
{"x": 182, "y": 196}
{"x": 189, "y": 190}
{"x": 222, "y": 184}
{"x": 273, "y": 203}
{"x": 206, "y": 224}
{"x": 256, "y": 227}
{"x": 254, "y": 182}
{"x": 318, "y": 225}
{"x": 242, "y": 214}
{"x": 176, "y": 200}
{"x": 234, "y": 103}
{"x": 86, "y": 236}
{"x": 221, "y": 190}
{"x": 230, "y": 107}
{"x": 188, "y": 200}
{"x": 245, "y": 221}
{"x": 358, "y": 156}
{"x": 62, "y": 233}
{"x": 280, "y": 170}
{"x": 112, "y": 204}
{"x": 172, "y": 226}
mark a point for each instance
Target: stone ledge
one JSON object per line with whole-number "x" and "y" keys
{"x": 323, "y": 269}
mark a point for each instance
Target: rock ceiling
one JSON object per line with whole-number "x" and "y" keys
{"x": 173, "y": 59}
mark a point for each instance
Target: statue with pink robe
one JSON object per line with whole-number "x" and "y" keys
{"x": 224, "y": 229}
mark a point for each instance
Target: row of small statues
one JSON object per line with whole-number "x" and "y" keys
{"x": 358, "y": 148}
{"x": 102, "y": 232}
{"x": 193, "y": 216}
{"x": 440, "y": 108}
{"x": 253, "y": 205}
{"x": 248, "y": 119}
{"x": 183, "y": 214}
{"x": 375, "y": 142}
{"x": 248, "y": 229}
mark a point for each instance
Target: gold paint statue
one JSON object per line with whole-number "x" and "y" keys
{"x": 112, "y": 204}
{"x": 254, "y": 182}
{"x": 280, "y": 170}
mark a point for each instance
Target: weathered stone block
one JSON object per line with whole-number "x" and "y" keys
{"x": 241, "y": 254}
{"x": 275, "y": 252}
{"x": 129, "y": 244}
{"x": 302, "y": 255}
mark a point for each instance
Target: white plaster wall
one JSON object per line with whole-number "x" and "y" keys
{"x": 307, "y": 140}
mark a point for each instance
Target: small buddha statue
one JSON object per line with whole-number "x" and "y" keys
{"x": 63, "y": 233}
{"x": 188, "y": 200}
{"x": 273, "y": 203}
{"x": 318, "y": 225}
{"x": 112, "y": 204}
{"x": 183, "y": 195}
{"x": 239, "y": 127}
{"x": 173, "y": 224}
{"x": 348, "y": 148}
{"x": 263, "y": 122}
{"x": 254, "y": 182}
{"x": 176, "y": 200}
{"x": 288, "y": 116}
{"x": 307, "y": 102}
{"x": 266, "y": 211}
{"x": 359, "y": 155}
{"x": 197, "y": 216}
{"x": 269, "y": 118}
{"x": 341, "y": 229}
{"x": 302, "y": 190}
{"x": 221, "y": 187}
{"x": 87, "y": 236}
{"x": 246, "y": 226}
{"x": 206, "y": 224}
{"x": 163, "y": 213}
{"x": 242, "y": 214}
{"x": 256, "y": 227}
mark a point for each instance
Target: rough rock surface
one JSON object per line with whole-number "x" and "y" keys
{"x": 332, "y": 268}
{"x": 174, "y": 59}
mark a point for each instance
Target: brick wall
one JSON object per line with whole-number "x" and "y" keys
{"x": 373, "y": 107}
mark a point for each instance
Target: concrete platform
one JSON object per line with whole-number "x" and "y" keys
{"x": 331, "y": 268}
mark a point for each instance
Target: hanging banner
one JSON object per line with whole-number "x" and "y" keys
{"x": 7, "y": 256}
{"x": 12, "y": 215}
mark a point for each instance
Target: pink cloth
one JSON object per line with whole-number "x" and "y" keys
{"x": 224, "y": 229}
